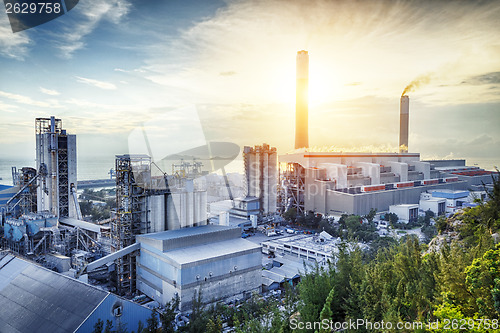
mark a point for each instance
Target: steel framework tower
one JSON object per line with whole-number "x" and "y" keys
{"x": 56, "y": 153}
{"x": 133, "y": 180}
{"x": 292, "y": 187}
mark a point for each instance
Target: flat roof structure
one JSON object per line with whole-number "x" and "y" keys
{"x": 313, "y": 159}
{"x": 168, "y": 240}
{"x": 211, "y": 259}
{"x": 449, "y": 194}
{"x": 307, "y": 247}
{"x": 35, "y": 299}
{"x": 209, "y": 251}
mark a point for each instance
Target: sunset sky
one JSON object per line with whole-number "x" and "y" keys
{"x": 110, "y": 67}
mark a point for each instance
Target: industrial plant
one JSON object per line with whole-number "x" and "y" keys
{"x": 160, "y": 242}
{"x": 335, "y": 183}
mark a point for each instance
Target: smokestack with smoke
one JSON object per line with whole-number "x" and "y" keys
{"x": 417, "y": 83}
{"x": 404, "y": 114}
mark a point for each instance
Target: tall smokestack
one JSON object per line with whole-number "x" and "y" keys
{"x": 404, "y": 113}
{"x": 301, "y": 102}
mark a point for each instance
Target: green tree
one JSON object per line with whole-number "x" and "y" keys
{"x": 314, "y": 288}
{"x": 167, "y": 317}
{"x": 109, "y": 327}
{"x": 152, "y": 322}
{"x": 449, "y": 316}
{"x": 371, "y": 215}
{"x": 392, "y": 218}
{"x": 214, "y": 325}
{"x": 140, "y": 327}
{"x": 290, "y": 215}
{"x": 326, "y": 312}
{"x": 120, "y": 327}
{"x": 199, "y": 317}
{"x": 98, "y": 326}
{"x": 482, "y": 279}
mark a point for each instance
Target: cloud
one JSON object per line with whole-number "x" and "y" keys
{"x": 228, "y": 73}
{"x": 488, "y": 78}
{"x": 12, "y": 45}
{"x": 480, "y": 140}
{"x": 91, "y": 13}
{"x": 50, "y": 92}
{"x": 7, "y": 107}
{"x": 28, "y": 101}
{"x": 347, "y": 40}
{"x": 137, "y": 70}
{"x": 96, "y": 83}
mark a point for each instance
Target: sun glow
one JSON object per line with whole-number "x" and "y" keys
{"x": 324, "y": 86}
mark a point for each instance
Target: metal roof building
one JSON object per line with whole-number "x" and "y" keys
{"x": 212, "y": 259}
{"x": 35, "y": 299}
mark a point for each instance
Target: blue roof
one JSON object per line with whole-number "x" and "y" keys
{"x": 450, "y": 194}
{"x": 5, "y": 187}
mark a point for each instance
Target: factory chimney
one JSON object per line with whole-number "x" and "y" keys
{"x": 301, "y": 102}
{"x": 404, "y": 111}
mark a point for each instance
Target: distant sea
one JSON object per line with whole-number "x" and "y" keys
{"x": 484, "y": 163}
{"x": 99, "y": 168}
{"x": 86, "y": 169}
{"x": 95, "y": 169}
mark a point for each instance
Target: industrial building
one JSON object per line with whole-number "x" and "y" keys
{"x": 354, "y": 183}
{"x": 318, "y": 248}
{"x": 146, "y": 204}
{"x": 454, "y": 199}
{"x": 36, "y": 299}
{"x": 333, "y": 183}
{"x": 261, "y": 188}
{"x": 285, "y": 269}
{"x": 56, "y": 165}
{"x": 261, "y": 176}
{"x": 42, "y": 220}
{"x": 212, "y": 260}
{"x": 435, "y": 205}
{"x": 407, "y": 213}
{"x": 51, "y": 187}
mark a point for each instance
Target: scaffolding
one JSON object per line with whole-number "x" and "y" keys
{"x": 183, "y": 171}
{"x": 62, "y": 174}
{"x": 292, "y": 187}
{"x": 133, "y": 181}
{"x": 28, "y": 196}
{"x": 51, "y": 127}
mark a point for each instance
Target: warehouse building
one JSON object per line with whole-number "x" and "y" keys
{"x": 211, "y": 259}
{"x": 35, "y": 299}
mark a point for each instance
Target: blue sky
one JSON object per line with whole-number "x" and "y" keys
{"x": 108, "y": 68}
